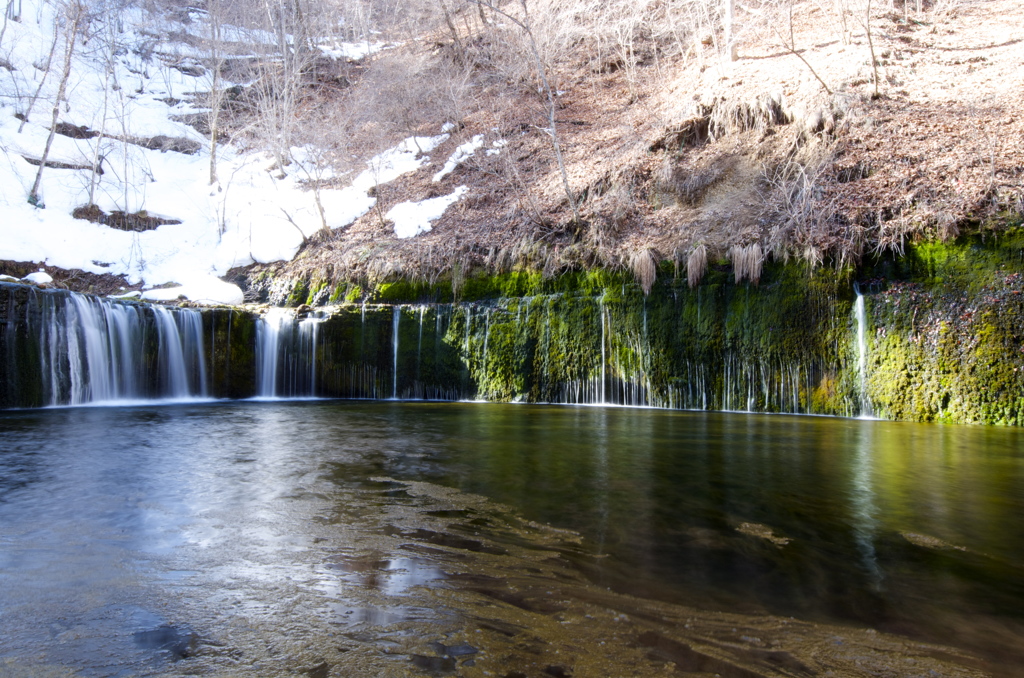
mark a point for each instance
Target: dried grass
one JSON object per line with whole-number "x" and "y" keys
{"x": 645, "y": 268}
{"x": 696, "y": 264}
{"x": 747, "y": 262}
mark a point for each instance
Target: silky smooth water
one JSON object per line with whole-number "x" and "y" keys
{"x": 265, "y": 536}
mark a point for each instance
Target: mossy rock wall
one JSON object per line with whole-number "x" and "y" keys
{"x": 781, "y": 346}
{"x": 230, "y": 345}
{"x": 944, "y": 340}
{"x": 946, "y": 333}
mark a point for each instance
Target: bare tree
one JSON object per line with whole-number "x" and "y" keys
{"x": 790, "y": 44}
{"x": 110, "y": 49}
{"x": 75, "y": 15}
{"x": 524, "y": 24}
{"x": 42, "y": 81}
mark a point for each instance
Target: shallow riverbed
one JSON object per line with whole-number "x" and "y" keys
{"x": 340, "y": 538}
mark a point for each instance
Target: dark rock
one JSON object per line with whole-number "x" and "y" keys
{"x": 321, "y": 670}
{"x": 434, "y": 664}
{"x": 178, "y": 642}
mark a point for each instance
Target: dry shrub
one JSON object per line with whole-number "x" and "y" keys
{"x": 696, "y": 264}
{"x": 689, "y": 185}
{"x": 747, "y": 262}
{"x": 760, "y": 114}
{"x": 645, "y": 268}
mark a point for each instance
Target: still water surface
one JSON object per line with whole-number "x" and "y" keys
{"x": 343, "y": 538}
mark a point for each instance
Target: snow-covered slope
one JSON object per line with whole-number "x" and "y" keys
{"x": 122, "y": 84}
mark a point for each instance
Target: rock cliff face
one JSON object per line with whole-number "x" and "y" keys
{"x": 940, "y": 338}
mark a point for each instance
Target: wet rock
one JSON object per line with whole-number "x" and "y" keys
{"x": 178, "y": 642}
{"x": 687, "y": 659}
{"x": 461, "y": 650}
{"x": 433, "y": 664}
{"x": 321, "y": 670}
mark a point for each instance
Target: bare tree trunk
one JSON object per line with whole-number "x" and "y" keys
{"x": 871, "y": 46}
{"x": 75, "y": 12}
{"x": 216, "y": 95}
{"x": 730, "y": 37}
{"x": 454, "y": 31}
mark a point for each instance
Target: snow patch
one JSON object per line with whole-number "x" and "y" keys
{"x": 413, "y": 218}
{"x": 496, "y": 147}
{"x": 461, "y": 154}
{"x": 201, "y": 289}
{"x": 354, "y": 51}
{"x": 39, "y": 278}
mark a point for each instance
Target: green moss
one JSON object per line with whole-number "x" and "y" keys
{"x": 299, "y": 293}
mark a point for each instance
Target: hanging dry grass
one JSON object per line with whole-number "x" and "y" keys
{"x": 645, "y": 268}
{"x": 747, "y": 262}
{"x": 696, "y": 264}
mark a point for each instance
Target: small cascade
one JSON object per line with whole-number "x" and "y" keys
{"x": 102, "y": 357}
{"x": 860, "y": 314}
{"x": 182, "y": 364}
{"x": 419, "y": 345}
{"x": 286, "y": 355}
{"x": 604, "y": 359}
{"x": 395, "y": 322}
{"x": 268, "y": 349}
{"x": 362, "y": 330}
{"x": 487, "y": 335}
{"x": 309, "y": 335}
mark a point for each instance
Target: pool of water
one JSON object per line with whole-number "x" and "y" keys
{"x": 387, "y": 538}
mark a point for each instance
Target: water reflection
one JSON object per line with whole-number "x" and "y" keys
{"x": 238, "y": 516}
{"x": 862, "y": 496}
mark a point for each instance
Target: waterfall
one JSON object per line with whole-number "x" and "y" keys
{"x": 396, "y": 319}
{"x": 419, "y": 344}
{"x": 268, "y": 348}
{"x": 862, "y": 354}
{"x": 286, "y": 355}
{"x": 651, "y": 353}
{"x": 81, "y": 349}
{"x": 309, "y": 334}
{"x": 604, "y": 360}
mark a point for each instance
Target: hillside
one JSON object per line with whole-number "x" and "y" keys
{"x": 435, "y": 156}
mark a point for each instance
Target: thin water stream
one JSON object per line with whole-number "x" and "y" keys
{"x": 390, "y": 538}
